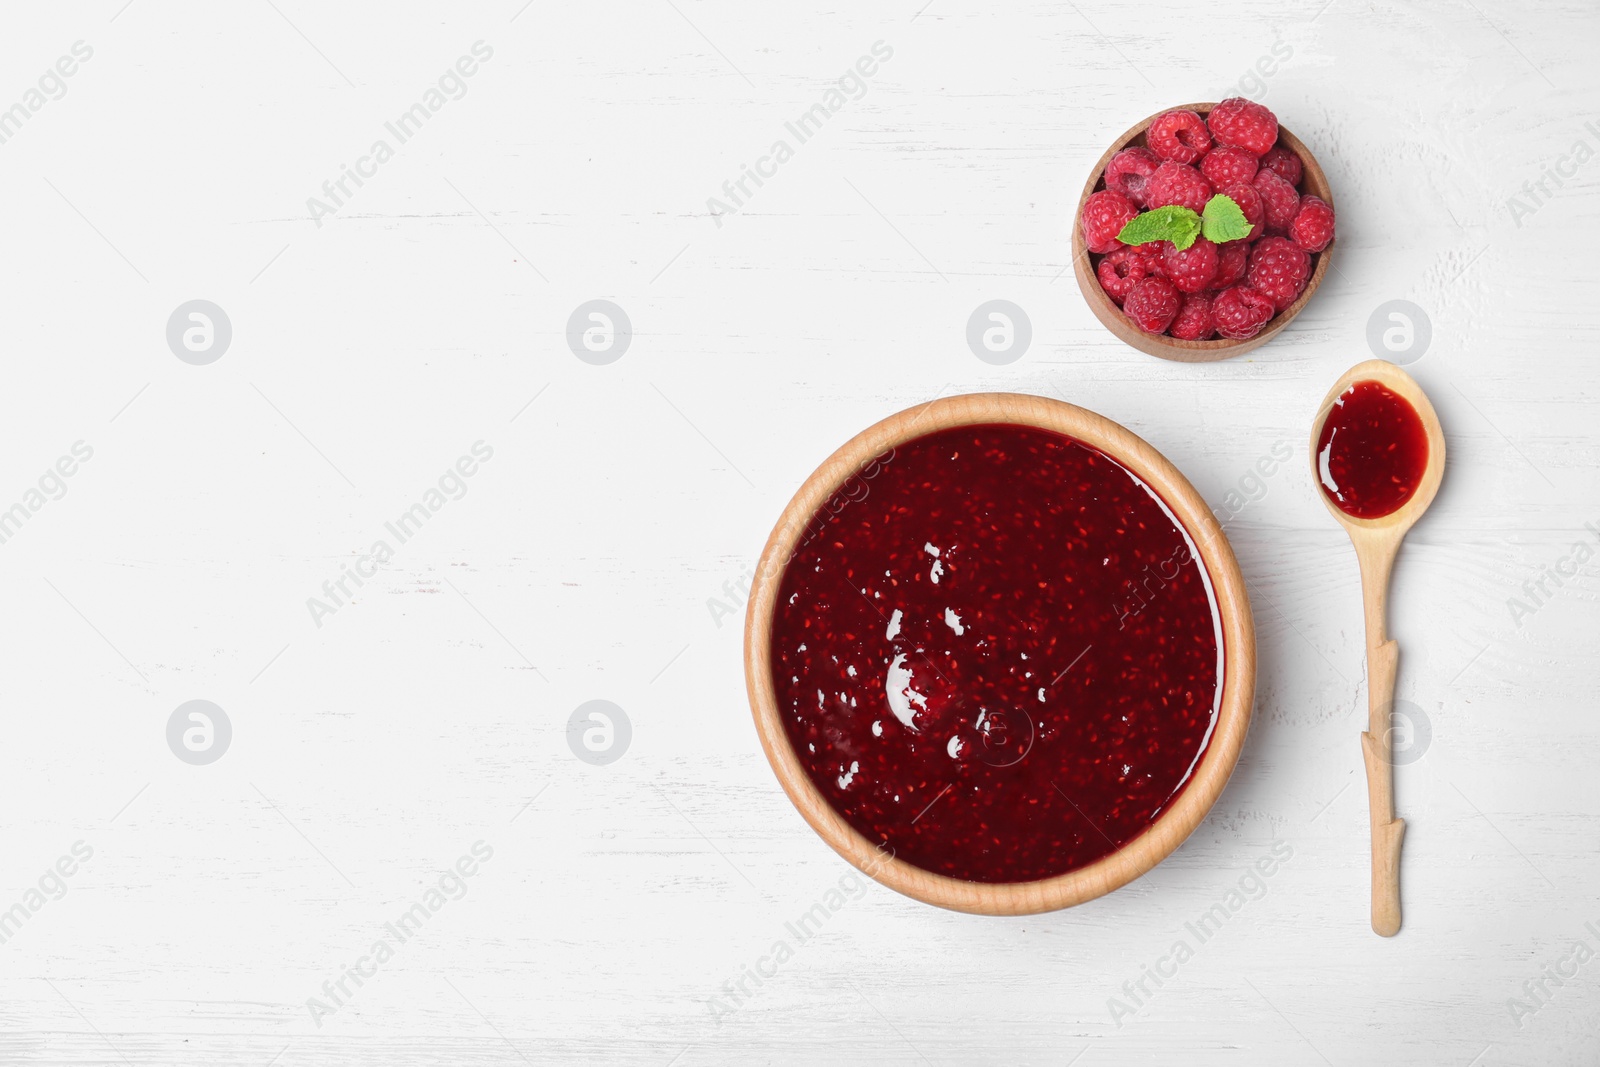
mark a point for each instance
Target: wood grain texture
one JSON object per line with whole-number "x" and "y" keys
{"x": 1233, "y": 607}
{"x": 1084, "y": 263}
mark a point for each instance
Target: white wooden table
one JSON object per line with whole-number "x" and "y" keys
{"x": 598, "y": 553}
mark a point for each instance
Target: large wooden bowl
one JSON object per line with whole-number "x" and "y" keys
{"x": 1238, "y": 679}
{"x": 1085, "y": 263}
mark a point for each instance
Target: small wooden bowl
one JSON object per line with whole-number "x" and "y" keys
{"x": 1084, "y": 262}
{"x": 1238, "y": 645}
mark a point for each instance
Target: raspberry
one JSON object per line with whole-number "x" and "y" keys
{"x": 1278, "y": 270}
{"x": 1194, "y": 321}
{"x": 1104, "y": 215}
{"x": 1243, "y": 124}
{"x": 1231, "y": 262}
{"x": 1129, "y": 170}
{"x": 1312, "y": 228}
{"x": 1121, "y": 270}
{"x": 1225, "y": 165}
{"x": 1281, "y": 201}
{"x": 1178, "y": 135}
{"x": 1177, "y": 183}
{"x": 1285, "y": 162}
{"x": 1240, "y": 312}
{"x": 1250, "y": 202}
{"x": 1154, "y": 265}
{"x": 1192, "y": 269}
{"x": 1152, "y": 304}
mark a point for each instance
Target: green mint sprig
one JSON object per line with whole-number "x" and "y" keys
{"x": 1172, "y": 223}
{"x": 1223, "y": 220}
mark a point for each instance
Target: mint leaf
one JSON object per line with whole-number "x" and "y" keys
{"x": 1171, "y": 223}
{"x": 1189, "y": 229}
{"x": 1224, "y": 220}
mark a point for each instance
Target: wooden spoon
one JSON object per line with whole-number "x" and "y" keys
{"x": 1377, "y": 542}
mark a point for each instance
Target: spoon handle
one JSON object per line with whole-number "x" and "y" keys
{"x": 1377, "y": 743}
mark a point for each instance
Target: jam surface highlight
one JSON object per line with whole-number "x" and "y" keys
{"x": 1372, "y": 452}
{"x": 997, "y": 652}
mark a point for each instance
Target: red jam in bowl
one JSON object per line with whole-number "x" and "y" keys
{"x": 997, "y": 653}
{"x": 1372, "y": 451}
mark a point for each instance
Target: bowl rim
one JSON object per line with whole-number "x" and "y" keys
{"x": 1314, "y": 181}
{"x": 1172, "y": 826}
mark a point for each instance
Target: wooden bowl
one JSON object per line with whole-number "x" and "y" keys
{"x": 1238, "y": 646}
{"x": 1085, "y": 263}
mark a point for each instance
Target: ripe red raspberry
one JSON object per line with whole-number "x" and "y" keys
{"x": 1240, "y": 312}
{"x": 1232, "y": 259}
{"x": 1250, "y": 202}
{"x": 1192, "y": 269}
{"x": 1312, "y": 228}
{"x": 1153, "y": 263}
{"x": 1129, "y": 170}
{"x": 1280, "y": 199}
{"x": 1104, "y": 215}
{"x": 1194, "y": 321}
{"x": 1243, "y": 124}
{"x": 1121, "y": 270}
{"x": 1225, "y": 165}
{"x": 1179, "y": 135}
{"x": 1278, "y": 270}
{"x": 1177, "y": 183}
{"x": 1285, "y": 162}
{"x": 1152, "y": 304}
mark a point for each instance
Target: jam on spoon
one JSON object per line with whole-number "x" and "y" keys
{"x": 1372, "y": 451}
{"x": 1003, "y": 660}
{"x": 1378, "y": 457}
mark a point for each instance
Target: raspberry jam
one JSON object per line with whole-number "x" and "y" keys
{"x": 1372, "y": 451}
{"x": 997, "y": 652}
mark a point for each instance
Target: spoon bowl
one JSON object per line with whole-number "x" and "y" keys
{"x": 1377, "y": 543}
{"x": 1397, "y": 381}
